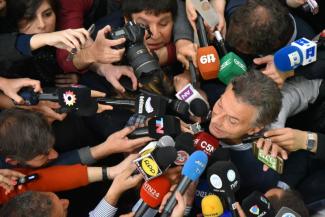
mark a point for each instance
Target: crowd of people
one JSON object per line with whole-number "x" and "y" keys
{"x": 120, "y": 57}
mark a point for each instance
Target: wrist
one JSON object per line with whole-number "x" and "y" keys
{"x": 112, "y": 196}
{"x": 37, "y": 41}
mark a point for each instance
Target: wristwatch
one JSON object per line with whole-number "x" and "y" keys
{"x": 311, "y": 141}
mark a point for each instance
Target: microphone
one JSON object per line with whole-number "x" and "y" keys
{"x": 158, "y": 127}
{"x": 152, "y": 193}
{"x": 208, "y": 62}
{"x": 231, "y": 65}
{"x": 223, "y": 179}
{"x": 188, "y": 94}
{"x": 76, "y": 98}
{"x": 202, "y": 34}
{"x": 300, "y": 52}
{"x": 175, "y": 105}
{"x": 116, "y": 102}
{"x": 205, "y": 142}
{"x": 152, "y": 164}
{"x": 192, "y": 170}
{"x": 256, "y": 204}
{"x": 184, "y": 147}
{"x": 150, "y": 105}
{"x": 285, "y": 211}
{"x": 211, "y": 206}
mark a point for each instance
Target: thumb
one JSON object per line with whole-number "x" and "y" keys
{"x": 16, "y": 98}
{"x": 102, "y": 33}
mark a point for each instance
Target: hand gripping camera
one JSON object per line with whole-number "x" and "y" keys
{"x": 142, "y": 62}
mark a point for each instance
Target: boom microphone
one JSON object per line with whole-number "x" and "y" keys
{"x": 211, "y": 206}
{"x": 256, "y": 204}
{"x": 192, "y": 170}
{"x": 152, "y": 193}
{"x": 223, "y": 179}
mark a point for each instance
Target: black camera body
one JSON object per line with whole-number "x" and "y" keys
{"x": 142, "y": 62}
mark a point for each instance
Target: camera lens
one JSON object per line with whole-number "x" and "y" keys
{"x": 140, "y": 60}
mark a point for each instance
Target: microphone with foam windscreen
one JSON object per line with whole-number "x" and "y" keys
{"x": 300, "y": 53}
{"x": 205, "y": 142}
{"x": 223, "y": 179}
{"x": 158, "y": 127}
{"x": 257, "y": 204}
{"x": 211, "y": 206}
{"x": 192, "y": 170}
{"x": 231, "y": 65}
{"x": 207, "y": 57}
{"x": 184, "y": 147}
{"x": 152, "y": 163}
{"x": 287, "y": 212}
{"x": 152, "y": 193}
{"x": 189, "y": 94}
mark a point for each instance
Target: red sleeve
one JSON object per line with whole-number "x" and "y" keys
{"x": 52, "y": 179}
{"x": 71, "y": 16}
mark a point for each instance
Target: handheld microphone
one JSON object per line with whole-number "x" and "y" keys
{"x": 285, "y": 211}
{"x": 150, "y": 105}
{"x": 208, "y": 62}
{"x": 205, "y": 10}
{"x": 256, "y": 204}
{"x": 152, "y": 193}
{"x": 76, "y": 98}
{"x": 231, "y": 65}
{"x": 223, "y": 179}
{"x": 152, "y": 164}
{"x": 188, "y": 94}
{"x": 300, "y": 52}
{"x": 175, "y": 105}
{"x": 212, "y": 206}
{"x": 184, "y": 147}
{"x": 192, "y": 170}
{"x": 205, "y": 142}
{"x": 158, "y": 127}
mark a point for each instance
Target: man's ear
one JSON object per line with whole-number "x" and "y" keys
{"x": 11, "y": 161}
{"x": 254, "y": 130}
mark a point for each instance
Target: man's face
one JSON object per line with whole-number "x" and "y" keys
{"x": 161, "y": 27}
{"x": 59, "y": 206}
{"x": 231, "y": 118}
{"x": 42, "y": 160}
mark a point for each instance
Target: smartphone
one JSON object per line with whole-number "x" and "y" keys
{"x": 28, "y": 178}
{"x": 275, "y": 163}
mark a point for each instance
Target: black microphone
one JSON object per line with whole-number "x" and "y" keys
{"x": 154, "y": 162}
{"x": 256, "y": 202}
{"x": 199, "y": 108}
{"x": 159, "y": 127}
{"x": 184, "y": 144}
{"x": 224, "y": 180}
{"x": 179, "y": 106}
